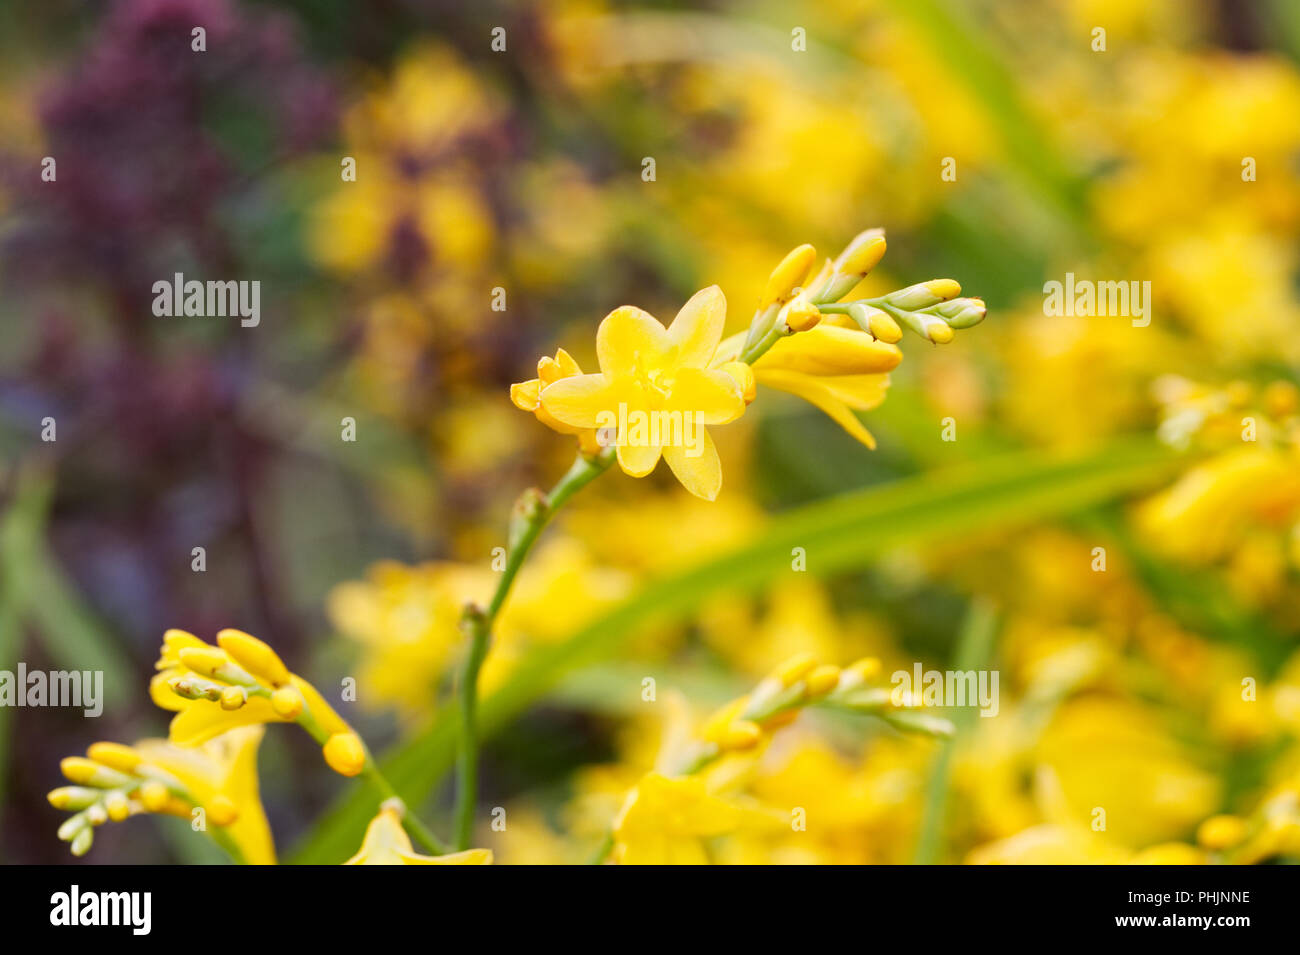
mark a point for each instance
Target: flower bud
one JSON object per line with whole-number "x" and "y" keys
{"x": 822, "y": 680}
{"x": 861, "y": 256}
{"x": 345, "y": 754}
{"x": 962, "y": 312}
{"x": 255, "y": 656}
{"x": 287, "y": 702}
{"x": 87, "y": 772}
{"x": 73, "y": 797}
{"x": 794, "y": 669}
{"x": 741, "y": 735}
{"x": 233, "y": 697}
{"x": 788, "y": 276}
{"x": 801, "y": 315}
{"x": 221, "y": 810}
{"x": 154, "y": 796}
{"x": 115, "y": 756}
{"x": 82, "y": 842}
{"x": 924, "y": 294}
{"x": 115, "y": 803}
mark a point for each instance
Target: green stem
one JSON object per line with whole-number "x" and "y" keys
{"x": 532, "y": 513}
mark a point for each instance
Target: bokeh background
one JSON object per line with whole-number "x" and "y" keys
{"x": 521, "y": 170}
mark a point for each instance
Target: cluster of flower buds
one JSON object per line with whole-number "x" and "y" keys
{"x": 114, "y": 782}
{"x": 798, "y": 683}
{"x": 242, "y": 682}
{"x": 793, "y": 302}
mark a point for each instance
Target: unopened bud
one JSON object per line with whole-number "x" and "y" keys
{"x": 154, "y": 796}
{"x": 287, "y": 702}
{"x": 345, "y": 754}
{"x": 788, "y": 276}
{"x": 801, "y": 315}
{"x": 73, "y": 797}
{"x": 924, "y": 294}
{"x": 255, "y": 656}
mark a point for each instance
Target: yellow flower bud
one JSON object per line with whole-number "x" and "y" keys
{"x": 221, "y": 810}
{"x": 884, "y": 328}
{"x": 115, "y": 803}
{"x": 716, "y": 726}
{"x": 1221, "y": 832}
{"x": 939, "y": 332}
{"x": 233, "y": 697}
{"x": 96, "y": 815}
{"x": 741, "y": 735}
{"x": 255, "y": 656}
{"x": 114, "y": 756}
{"x": 787, "y": 276}
{"x": 87, "y": 772}
{"x": 924, "y": 294}
{"x": 863, "y": 254}
{"x": 204, "y": 660}
{"x": 802, "y": 315}
{"x": 744, "y": 375}
{"x": 794, "y": 669}
{"x": 345, "y": 754}
{"x": 859, "y": 672}
{"x": 73, "y": 797}
{"x": 822, "y": 680}
{"x": 287, "y": 702}
{"x": 81, "y": 843}
{"x": 154, "y": 796}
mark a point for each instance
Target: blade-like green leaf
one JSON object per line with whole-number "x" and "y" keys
{"x": 843, "y": 532}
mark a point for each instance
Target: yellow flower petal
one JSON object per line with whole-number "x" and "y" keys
{"x": 580, "y": 400}
{"x": 637, "y": 461}
{"x": 712, "y": 397}
{"x": 700, "y": 474}
{"x": 629, "y": 337}
{"x": 831, "y": 350}
{"x": 697, "y": 329}
{"x": 816, "y": 392}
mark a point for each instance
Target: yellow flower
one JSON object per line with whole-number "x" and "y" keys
{"x": 386, "y": 843}
{"x": 115, "y": 782}
{"x": 838, "y": 369}
{"x": 1211, "y": 508}
{"x": 664, "y": 820}
{"x": 526, "y": 396}
{"x": 656, "y": 391}
{"x": 242, "y": 682}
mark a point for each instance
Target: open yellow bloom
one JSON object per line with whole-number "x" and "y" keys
{"x": 386, "y": 843}
{"x": 838, "y": 369}
{"x": 242, "y": 682}
{"x": 115, "y": 782}
{"x": 656, "y": 391}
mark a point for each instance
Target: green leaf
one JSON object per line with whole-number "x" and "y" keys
{"x": 840, "y": 533}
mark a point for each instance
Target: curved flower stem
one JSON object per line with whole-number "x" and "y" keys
{"x": 532, "y": 512}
